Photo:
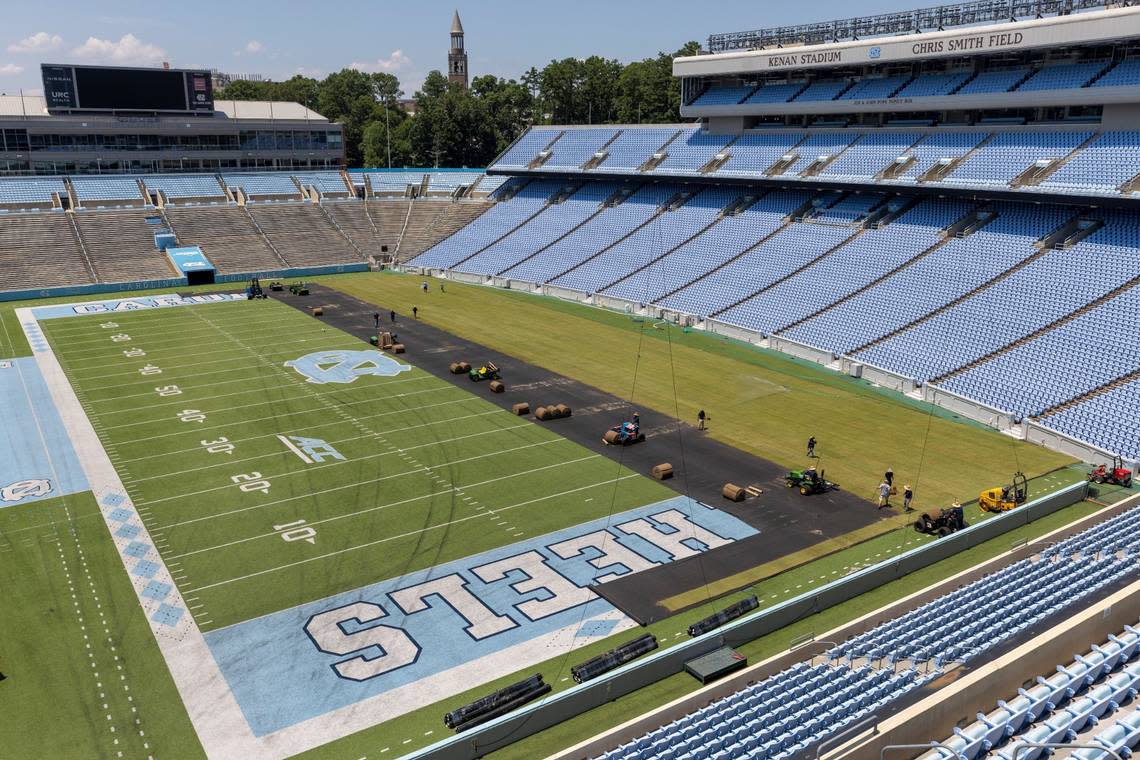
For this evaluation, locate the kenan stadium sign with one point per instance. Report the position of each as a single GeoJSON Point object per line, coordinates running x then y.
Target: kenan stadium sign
{"type": "Point", "coordinates": [1086, 28]}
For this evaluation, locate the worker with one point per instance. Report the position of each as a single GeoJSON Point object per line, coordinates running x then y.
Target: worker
{"type": "Point", "coordinates": [889, 476]}
{"type": "Point", "coordinates": [425, 286]}
{"type": "Point", "coordinates": [441, 286]}
{"type": "Point", "coordinates": [701, 420]}
{"type": "Point", "coordinates": [376, 317]}
{"type": "Point", "coordinates": [392, 315]}
{"type": "Point", "coordinates": [884, 495]}
{"type": "Point", "coordinates": [415, 312]}
{"type": "Point", "coordinates": [636, 419]}
{"type": "Point", "coordinates": [811, 447]}
{"type": "Point", "coordinates": [908, 494]}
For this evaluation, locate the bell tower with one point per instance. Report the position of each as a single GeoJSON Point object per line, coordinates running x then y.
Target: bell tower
{"type": "Point", "coordinates": [457, 55]}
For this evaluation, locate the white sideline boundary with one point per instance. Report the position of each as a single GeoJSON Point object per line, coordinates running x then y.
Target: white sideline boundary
{"type": "Point", "coordinates": [212, 708]}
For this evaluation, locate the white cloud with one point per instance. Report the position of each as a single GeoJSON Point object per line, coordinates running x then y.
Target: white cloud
{"type": "Point", "coordinates": [10, 68]}
{"type": "Point", "coordinates": [254, 47]}
{"type": "Point", "coordinates": [397, 61]}
{"type": "Point", "coordinates": [37, 43]}
{"type": "Point", "coordinates": [128, 50]}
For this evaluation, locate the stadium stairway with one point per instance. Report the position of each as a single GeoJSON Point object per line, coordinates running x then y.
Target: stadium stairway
{"type": "Point", "coordinates": [303, 235]}
{"type": "Point", "coordinates": [226, 236]}
{"type": "Point", "coordinates": [356, 223]}
{"type": "Point", "coordinates": [121, 244]}
{"type": "Point", "coordinates": [428, 223]}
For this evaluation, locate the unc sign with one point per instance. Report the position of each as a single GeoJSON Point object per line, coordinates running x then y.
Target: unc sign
{"type": "Point", "coordinates": [345, 366]}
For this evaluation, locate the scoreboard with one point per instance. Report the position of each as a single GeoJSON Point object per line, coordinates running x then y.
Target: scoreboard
{"type": "Point", "coordinates": [78, 89]}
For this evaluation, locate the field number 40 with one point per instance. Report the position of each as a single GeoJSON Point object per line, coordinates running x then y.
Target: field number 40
{"type": "Point", "coordinates": [251, 481]}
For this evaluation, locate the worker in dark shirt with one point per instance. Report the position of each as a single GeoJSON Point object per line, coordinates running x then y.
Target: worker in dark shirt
{"type": "Point", "coordinates": [811, 446]}
{"type": "Point", "coordinates": [701, 420]}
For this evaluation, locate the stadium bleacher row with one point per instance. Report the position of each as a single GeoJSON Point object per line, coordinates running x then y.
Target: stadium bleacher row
{"type": "Point", "coordinates": [1051, 76]}
{"type": "Point", "coordinates": [794, 710]}
{"type": "Point", "coordinates": [1054, 161]}
{"type": "Point", "coordinates": [31, 193]}
{"type": "Point", "coordinates": [936, 289]}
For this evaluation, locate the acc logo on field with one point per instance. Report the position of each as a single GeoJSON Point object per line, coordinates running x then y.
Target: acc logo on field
{"type": "Point", "coordinates": [345, 366]}
{"type": "Point", "coordinates": [25, 489]}
{"type": "Point", "coordinates": [874, 52]}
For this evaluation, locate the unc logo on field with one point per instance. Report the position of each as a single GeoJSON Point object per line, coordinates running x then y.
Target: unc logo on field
{"type": "Point", "coordinates": [345, 366]}
{"type": "Point", "coordinates": [25, 489]}
{"type": "Point", "coordinates": [874, 52]}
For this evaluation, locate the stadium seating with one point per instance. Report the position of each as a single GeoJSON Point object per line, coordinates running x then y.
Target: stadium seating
{"type": "Point", "coordinates": [936, 147]}
{"type": "Point", "coordinates": [874, 88]}
{"type": "Point", "coordinates": [595, 235]}
{"type": "Point", "coordinates": [519, 155]}
{"type": "Point", "coordinates": [1107, 420]}
{"type": "Point", "coordinates": [178, 187]}
{"type": "Point", "coordinates": [660, 235]}
{"type": "Point", "coordinates": [357, 222]}
{"type": "Point", "coordinates": [692, 150]}
{"type": "Point", "coordinates": [1003, 312]}
{"type": "Point", "coordinates": [25, 241]}
{"type": "Point", "coordinates": [1124, 74]}
{"type": "Point", "coordinates": [722, 96]}
{"type": "Point", "coordinates": [1104, 165]}
{"type": "Point", "coordinates": [932, 85]}
{"type": "Point", "coordinates": [429, 223]}
{"type": "Point", "coordinates": [226, 235]}
{"type": "Point", "coordinates": [489, 227]}
{"type": "Point", "coordinates": [946, 273]}
{"type": "Point", "coordinates": [817, 145]}
{"type": "Point", "coordinates": [264, 185]}
{"type": "Point", "coordinates": [541, 231]}
{"type": "Point", "coordinates": [775, 93]}
{"type": "Point", "coordinates": [576, 147]}
{"type": "Point", "coordinates": [861, 261]}
{"type": "Point", "coordinates": [121, 245]}
{"type": "Point", "coordinates": [755, 152]}
{"type": "Point", "coordinates": [792, 711]}
{"type": "Point", "coordinates": [870, 154]}
{"type": "Point", "coordinates": [393, 182]}
{"type": "Point", "coordinates": [821, 91]}
{"type": "Point", "coordinates": [996, 80]}
{"type": "Point", "coordinates": [1094, 348]}
{"type": "Point", "coordinates": [1008, 154]}
{"type": "Point", "coordinates": [303, 235]}
{"type": "Point", "coordinates": [489, 184]}
{"type": "Point", "coordinates": [633, 147]}
{"type": "Point", "coordinates": [446, 182]}
{"type": "Point", "coordinates": [29, 191]}
{"type": "Point", "coordinates": [759, 268]}
{"type": "Point", "coordinates": [1070, 700]}
{"type": "Point", "coordinates": [1062, 76]}
{"type": "Point", "coordinates": [726, 240]}
{"type": "Point", "coordinates": [98, 191]}
{"type": "Point", "coordinates": [327, 183]}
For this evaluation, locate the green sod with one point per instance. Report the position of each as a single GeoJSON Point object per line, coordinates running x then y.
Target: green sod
{"type": "Point", "coordinates": [430, 472]}
{"type": "Point", "coordinates": [760, 401]}
{"type": "Point", "coordinates": [84, 677]}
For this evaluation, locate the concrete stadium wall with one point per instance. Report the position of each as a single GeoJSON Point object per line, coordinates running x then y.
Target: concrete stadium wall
{"type": "Point", "coordinates": [663, 663]}
{"type": "Point", "coordinates": [178, 282]}
{"type": "Point", "coordinates": [801, 350]}
{"type": "Point", "coordinates": [717, 327]}
{"type": "Point", "coordinates": [877, 375]}
{"type": "Point", "coordinates": [975, 410]}
{"type": "Point", "coordinates": [566, 294]}
{"type": "Point", "coordinates": [1086, 452]}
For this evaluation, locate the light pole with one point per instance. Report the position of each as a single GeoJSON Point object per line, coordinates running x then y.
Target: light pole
{"type": "Point", "coordinates": [388, 133]}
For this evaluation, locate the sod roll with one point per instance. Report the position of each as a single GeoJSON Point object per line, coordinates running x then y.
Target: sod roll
{"type": "Point", "coordinates": [732, 492]}
{"type": "Point", "coordinates": [662, 471]}
{"type": "Point", "coordinates": [497, 386]}
{"type": "Point", "coordinates": [522, 409]}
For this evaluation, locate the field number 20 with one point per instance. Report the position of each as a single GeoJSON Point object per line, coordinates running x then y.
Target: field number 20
{"type": "Point", "coordinates": [168, 390]}
{"type": "Point", "coordinates": [251, 481]}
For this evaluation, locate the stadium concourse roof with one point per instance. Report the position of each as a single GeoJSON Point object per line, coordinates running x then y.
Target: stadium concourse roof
{"type": "Point", "coordinates": [254, 110]}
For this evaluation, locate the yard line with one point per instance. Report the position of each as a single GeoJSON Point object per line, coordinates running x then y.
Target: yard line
{"type": "Point", "coordinates": [231, 462]}
{"type": "Point", "coordinates": [412, 533]}
{"type": "Point", "coordinates": [359, 512]}
{"type": "Point", "coordinates": [185, 330]}
{"type": "Point", "coordinates": [322, 409]}
{"type": "Point", "coordinates": [357, 485]}
{"type": "Point", "coordinates": [151, 350]}
{"type": "Point", "coordinates": [192, 365]}
{"type": "Point", "coordinates": [227, 409]}
{"type": "Point", "coordinates": [187, 398]}
{"type": "Point", "coordinates": [411, 411]}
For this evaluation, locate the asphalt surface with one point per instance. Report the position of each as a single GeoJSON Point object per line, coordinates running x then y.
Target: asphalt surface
{"type": "Point", "coordinates": [787, 522]}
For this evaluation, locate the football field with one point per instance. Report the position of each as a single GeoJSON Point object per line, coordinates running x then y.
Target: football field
{"type": "Point", "coordinates": [264, 487]}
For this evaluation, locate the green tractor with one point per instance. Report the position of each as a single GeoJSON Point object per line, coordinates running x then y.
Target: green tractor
{"type": "Point", "coordinates": [809, 481]}
{"type": "Point", "coordinates": [488, 371]}
{"type": "Point", "coordinates": [299, 289]}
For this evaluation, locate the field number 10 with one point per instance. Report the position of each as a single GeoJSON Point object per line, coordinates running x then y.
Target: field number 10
{"type": "Point", "coordinates": [251, 481]}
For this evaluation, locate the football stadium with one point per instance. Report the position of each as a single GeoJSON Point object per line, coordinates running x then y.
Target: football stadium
{"type": "Point", "coordinates": [801, 425]}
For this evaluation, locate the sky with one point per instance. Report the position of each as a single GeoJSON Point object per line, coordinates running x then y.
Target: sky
{"type": "Point", "coordinates": [407, 38]}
